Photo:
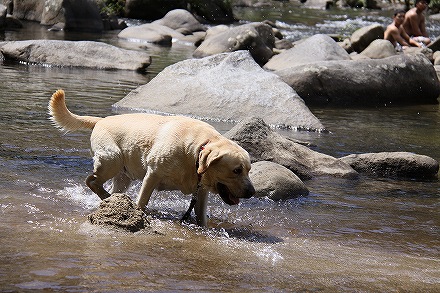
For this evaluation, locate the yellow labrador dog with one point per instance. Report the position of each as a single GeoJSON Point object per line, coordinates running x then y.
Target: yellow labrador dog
{"type": "Point", "coordinates": [165, 152]}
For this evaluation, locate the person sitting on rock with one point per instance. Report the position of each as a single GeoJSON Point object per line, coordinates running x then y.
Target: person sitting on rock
{"type": "Point", "coordinates": [397, 35]}
{"type": "Point", "coordinates": [414, 23]}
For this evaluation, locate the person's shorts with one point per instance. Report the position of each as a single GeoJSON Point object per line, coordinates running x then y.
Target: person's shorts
{"type": "Point", "coordinates": [421, 40]}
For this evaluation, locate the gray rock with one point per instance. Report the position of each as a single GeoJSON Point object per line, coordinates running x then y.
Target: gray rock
{"type": "Point", "coordinates": [53, 12]}
{"type": "Point", "coordinates": [257, 38]}
{"type": "Point", "coordinates": [379, 49]}
{"type": "Point", "coordinates": [363, 37]}
{"type": "Point", "coordinates": [119, 211]}
{"type": "Point", "coordinates": [29, 9]}
{"type": "Point", "coordinates": [398, 79]}
{"type": "Point", "coordinates": [264, 144]}
{"type": "Point", "coordinates": [181, 19]}
{"type": "Point", "coordinates": [151, 33]}
{"type": "Point", "coordinates": [435, 44]}
{"type": "Point", "coordinates": [3, 10]}
{"type": "Point", "coordinates": [394, 164]}
{"type": "Point", "coordinates": [225, 87]}
{"type": "Point", "coordinates": [314, 49]}
{"type": "Point", "coordinates": [276, 181]}
{"type": "Point", "coordinates": [85, 54]}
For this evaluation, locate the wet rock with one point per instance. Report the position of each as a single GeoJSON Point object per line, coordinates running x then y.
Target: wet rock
{"type": "Point", "coordinates": [3, 13]}
{"type": "Point", "coordinates": [119, 211]}
{"type": "Point", "coordinates": [363, 37]}
{"type": "Point", "coordinates": [29, 9]}
{"type": "Point", "coordinates": [257, 38]}
{"type": "Point", "coordinates": [213, 11]}
{"type": "Point", "coordinates": [379, 49]}
{"type": "Point", "coordinates": [85, 54]}
{"type": "Point", "coordinates": [82, 15]}
{"type": "Point", "coordinates": [314, 49]}
{"type": "Point", "coordinates": [394, 164]}
{"type": "Point", "coordinates": [225, 87]}
{"type": "Point", "coordinates": [179, 19]}
{"type": "Point", "coordinates": [150, 32]}
{"type": "Point", "coordinates": [368, 82]}
{"type": "Point", "coordinates": [276, 181]}
{"type": "Point", "coordinates": [264, 144]}
{"type": "Point", "coordinates": [53, 13]}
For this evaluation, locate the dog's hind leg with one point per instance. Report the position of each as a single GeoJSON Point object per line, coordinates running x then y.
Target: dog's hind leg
{"type": "Point", "coordinates": [105, 167]}
{"type": "Point", "coordinates": [95, 185]}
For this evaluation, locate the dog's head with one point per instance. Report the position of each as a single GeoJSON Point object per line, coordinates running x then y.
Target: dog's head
{"type": "Point", "coordinates": [225, 167]}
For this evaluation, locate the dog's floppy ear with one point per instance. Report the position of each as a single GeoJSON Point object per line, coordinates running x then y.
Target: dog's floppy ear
{"type": "Point", "coordinates": [206, 157]}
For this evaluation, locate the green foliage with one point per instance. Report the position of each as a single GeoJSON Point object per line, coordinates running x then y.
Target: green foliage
{"type": "Point", "coordinates": [112, 7]}
{"type": "Point", "coordinates": [434, 5]}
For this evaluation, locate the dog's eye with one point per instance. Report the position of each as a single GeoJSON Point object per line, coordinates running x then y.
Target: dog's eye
{"type": "Point", "coordinates": [237, 171]}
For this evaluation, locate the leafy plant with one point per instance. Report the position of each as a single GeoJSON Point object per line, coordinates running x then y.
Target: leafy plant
{"type": "Point", "coordinates": [112, 7]}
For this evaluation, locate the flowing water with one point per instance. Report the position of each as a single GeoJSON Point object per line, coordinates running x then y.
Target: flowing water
{"type": "Point", "coordinates": [364, 235]}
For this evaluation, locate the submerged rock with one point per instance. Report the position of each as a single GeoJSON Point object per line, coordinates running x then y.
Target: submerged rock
{"type": "Point", "coordinates": [394, 164]}
{"type": "Point", "coordinates": [225, 87]}
{"type": "Point", "coordinates": [119, 211]}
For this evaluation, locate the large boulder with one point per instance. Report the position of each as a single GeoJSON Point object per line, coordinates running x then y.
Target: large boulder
{"type": "Point", "coordinates": [394, 164]}
{"type": "Point", "coordinates": [213, 11]}
{"type": "Point", "coordinates": [379, 49]}
{"type": "Point", "coordinates": [257, 38]}
{"type": "Point", "coordinates": [225, 87]}
{"type": "Point", "coordinates": [28, 9]}
{"type": "Point", "coordinates": [85, 54]}
{"type": "Point", "coordinates": [363, 37]}
{"type": "Point", "coordinates": [313, 49]}
{"type": "Point", "coordinates": [78, 15]}
{"type": "Point", "coordinates": [397, 79]}
{"type": "Point", "coordinates": [119, 211]}
{"type": "Point", "coordinates": [275, 181]}
{"type": "Point", "coordinates": [82, 15]}
{"type": "Point", "coordinates": [3, 12]}
{"type": "Point", "coordinates": [150, 32]}
{"type": "Point", "coordinates": [177, 24]}
{"type": "Point", "coordinates": [53, 12]}
{"type": "Point", "coordinates": [181, 20]}
{"type": "Point", "coordinates": [264, 144]}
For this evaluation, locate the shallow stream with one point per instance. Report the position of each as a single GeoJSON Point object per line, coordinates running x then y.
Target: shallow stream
{"type": "Point", "coordinates": [365, 235]}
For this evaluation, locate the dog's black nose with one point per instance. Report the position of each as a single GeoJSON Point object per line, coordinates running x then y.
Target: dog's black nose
{"type": "Point", "coordinates": [250, 191]}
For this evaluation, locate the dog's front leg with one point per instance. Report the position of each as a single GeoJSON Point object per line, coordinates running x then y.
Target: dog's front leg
{"type": "Point", "coordinates": [200, 208]}
{"type": "Point", "coordinates": [147, 188]}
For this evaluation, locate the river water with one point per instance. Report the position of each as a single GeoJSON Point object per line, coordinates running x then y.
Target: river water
{"type": "Point", "coordinates": [364, 235]}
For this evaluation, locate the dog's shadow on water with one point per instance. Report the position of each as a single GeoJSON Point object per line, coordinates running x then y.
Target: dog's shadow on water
{"type": "Point", "coordinates": [220, 227]}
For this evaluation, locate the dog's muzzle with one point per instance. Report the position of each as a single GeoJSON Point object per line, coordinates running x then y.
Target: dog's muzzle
{"type": "Point", "coordinates": [229, 198]}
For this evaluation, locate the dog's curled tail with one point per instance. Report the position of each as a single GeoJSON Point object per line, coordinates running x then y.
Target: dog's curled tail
{"type": "Point", "coordinates": [66, 120]}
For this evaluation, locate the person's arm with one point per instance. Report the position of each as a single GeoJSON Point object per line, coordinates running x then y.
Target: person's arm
{"type": "Point", "coordinates": [396, 35]}
{"type": "Point", "coordinates": [403, 35]}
